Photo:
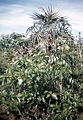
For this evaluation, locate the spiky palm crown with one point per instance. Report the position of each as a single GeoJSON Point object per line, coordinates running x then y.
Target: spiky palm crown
{"type": "Point", "coordinates": [49, 21]}
{"type": "Point", "coordinates": [48, 16]}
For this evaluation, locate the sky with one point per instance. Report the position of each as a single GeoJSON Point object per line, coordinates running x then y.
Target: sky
{"type": "Point", "coordinates": [16, 15]}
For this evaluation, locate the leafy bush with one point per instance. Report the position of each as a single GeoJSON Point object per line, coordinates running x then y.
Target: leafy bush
{"type": "Point", "coordinates": [31, 85]}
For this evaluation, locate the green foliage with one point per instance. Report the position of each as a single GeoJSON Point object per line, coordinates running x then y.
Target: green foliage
{"type": "Point", "coordinates": [31, 80]}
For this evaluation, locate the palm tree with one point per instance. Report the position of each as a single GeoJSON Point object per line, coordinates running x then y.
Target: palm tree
{"type": "Point", "coordinates": [48, 27]}
{"type": "Point", "coordinates": [55, 31]}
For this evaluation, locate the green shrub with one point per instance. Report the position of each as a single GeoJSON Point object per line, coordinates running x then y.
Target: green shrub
{"type": "Point", "coordinates": [32, 82]}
